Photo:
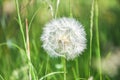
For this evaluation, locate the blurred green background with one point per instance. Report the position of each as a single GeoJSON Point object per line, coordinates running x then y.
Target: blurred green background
{"type": "Point", "coordinates": [109, 29]}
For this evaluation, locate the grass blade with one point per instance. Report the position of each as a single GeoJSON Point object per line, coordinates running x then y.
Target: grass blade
{"type": "Point", "coordinates": [91, 35]}
{"type": "Point", "coordinates": [97, 39]}
{"type": "Point", "coordinates": [50, 74]}
{"type": "Point", "coordinates": [1, 78]}
{"type": "Point", "coordinates": [20, 22]}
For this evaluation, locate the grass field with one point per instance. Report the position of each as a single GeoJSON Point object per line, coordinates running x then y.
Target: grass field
{"type": "Point", "coordinates": [22, 56]}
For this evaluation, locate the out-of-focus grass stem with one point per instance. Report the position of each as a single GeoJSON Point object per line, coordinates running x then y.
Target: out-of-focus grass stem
{"type": "Point", "coordinates": [57, 5]}
{"type": "Point", "coordinates": [1, 78]}
{"type": "Point", "coordinates": [91, 35]}
{"type": "Point", "coordinates": [47, 66]}
{"type": "Point", "coordinates": [20, 22]}
{"type": "Point", "coordinates": [28, 48]}
{"type": "Point", "coordinates": [27, 40]}
{"type": "Point", "coordinates": [97, 38]}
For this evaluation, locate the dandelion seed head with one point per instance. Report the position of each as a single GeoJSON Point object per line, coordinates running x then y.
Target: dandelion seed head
{"type": "Point", "coordinates": [64, 37]}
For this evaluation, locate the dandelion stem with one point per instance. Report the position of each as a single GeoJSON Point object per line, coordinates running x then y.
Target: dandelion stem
{"type": "Point", "coordinates": [91, 34]}
{"type": "Point", "coordinates": [64, 69]}
{"type": "Point", "coordinates": [77, 68]}
{"type": "Point", "coordinates": [97, 38]}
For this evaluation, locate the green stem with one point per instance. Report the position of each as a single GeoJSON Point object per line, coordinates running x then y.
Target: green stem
{"type": "Point", "coordinates": [47, 66]}
{"type": "Point", "coordinates": [50, 74]}
{"type": "Point", "coordinates": [33, 18]}
{"type": "Point", "coordinates": [57, 5]}
{"type": "Point", "coordinates": [28, 49]}
{"type": "Point", "coordinates": [64, 69]}
{"type": "Point", "coordinates": [91, 34]}
{"type": "Point", "coordinates": [77, 68]}
{"type": "Point", "coordinates": [20, 22]}
{"type": "Point", "coordinates": [97, 39]}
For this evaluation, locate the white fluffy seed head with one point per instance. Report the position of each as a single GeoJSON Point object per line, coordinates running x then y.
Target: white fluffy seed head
{"type": "Point", "coordinates": [64, 37]}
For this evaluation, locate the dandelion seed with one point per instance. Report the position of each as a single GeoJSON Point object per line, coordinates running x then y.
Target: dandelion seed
{"type": "Point", "coordinates": [64, 37]}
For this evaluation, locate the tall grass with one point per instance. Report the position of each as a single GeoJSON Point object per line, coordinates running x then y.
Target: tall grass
{"type": "Point", "coordinates": [97, 38]}
{"type": "Point", "coordinates": [91, 34]}
{"type": "Point", "coordinates": [76, 73]}
{"type": "Point", "coordinates": [94, 15]}
{"type": "Point", "coordinates": [20, 23]}
{"type": "Point", "coordinates": [26, 43]}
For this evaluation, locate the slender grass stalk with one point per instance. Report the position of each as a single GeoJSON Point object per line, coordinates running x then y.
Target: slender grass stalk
{"type": "Point", "coordinates": [32, 75]}
{"type": "Point", "coordinates": [27, 40]}
{"type": "Point", "coordinates": [57, 5]}
{"type": "Point", "coordinates": [28, 49]}
{"type": "Point", "coordinates": [20, 22]}
{"type": "Point", "coordinates": [50, 74]}
{"type": "Point", "coordinates": [47, 65]}
{"type": "Point", "coordinates": [40, 68]}
{"type": "Point", "coordinates": [97, 38]}
{"type": "Point", "coordinates": [1, 78]}
{"type": "Point", "coordinates": [22, 51]}
{"type": "Point", "coordinates": [74, 73]}
{"type": "Point", "coordinates": [33, 18]}
{"type": "Point", "coordinates": [12, 44]}
{"type": "Point", "coordinates": [32, 72]}
{"type": "Point", "coordinates": [26, 44]}
{"type": "Point", "coordinates": [91, 35]}
{"type": "Point", "coordinates": [34, 46]}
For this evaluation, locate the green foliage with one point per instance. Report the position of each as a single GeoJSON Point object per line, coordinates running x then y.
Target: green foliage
{"type": "Point", "coordinates": [103, 38]}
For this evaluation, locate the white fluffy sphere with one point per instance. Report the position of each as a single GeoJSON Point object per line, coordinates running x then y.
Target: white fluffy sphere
{"type": "Point", "coordinates": [64, 37]}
